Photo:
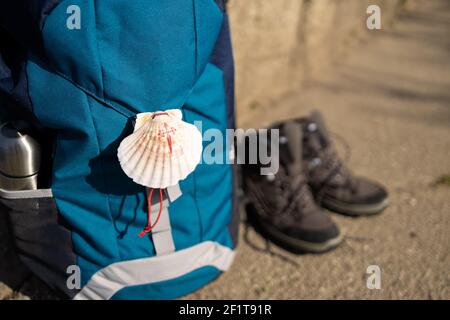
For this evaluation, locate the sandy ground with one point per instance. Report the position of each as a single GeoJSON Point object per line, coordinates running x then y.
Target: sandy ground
{"type": "Point", "coordinates": [390, 100]}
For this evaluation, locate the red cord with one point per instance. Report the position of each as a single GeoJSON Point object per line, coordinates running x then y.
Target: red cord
{"type": "Point", "coordinates": [159, 114]}
{"type": "Point", "coordinates": [149, 225]}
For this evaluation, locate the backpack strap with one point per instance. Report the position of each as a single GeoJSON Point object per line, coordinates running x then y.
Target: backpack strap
{"type": "Point", "coordinates": [162, 232]}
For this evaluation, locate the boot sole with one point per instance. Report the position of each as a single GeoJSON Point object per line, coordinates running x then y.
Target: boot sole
{"type": "Point", "coordinates": [290, 243]}
{"type": "Point", "coordinates": [355, 209]}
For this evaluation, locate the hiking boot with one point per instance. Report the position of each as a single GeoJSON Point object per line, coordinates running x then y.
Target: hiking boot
{"type": "Point", "coordinates": [332, 183]}
{"type": "Point", "coordinates": [281, 206]}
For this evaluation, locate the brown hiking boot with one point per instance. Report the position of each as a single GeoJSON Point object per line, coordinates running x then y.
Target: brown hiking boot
{"type": "Point", "coordinates": [281, 205]}
{"type": "Point", "coordinates": [332, 183]}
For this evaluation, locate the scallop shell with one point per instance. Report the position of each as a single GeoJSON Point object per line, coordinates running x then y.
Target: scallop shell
{"type": "Point", "coordinates": [162, 150]}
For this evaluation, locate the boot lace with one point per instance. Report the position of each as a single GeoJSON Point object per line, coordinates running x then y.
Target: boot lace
{"type": "Point", "coordinates": [293, 195]}
{"type": "Point", "coordinates": [327, 159]}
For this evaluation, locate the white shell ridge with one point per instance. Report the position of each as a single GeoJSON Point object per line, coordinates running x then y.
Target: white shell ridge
{"type": "Point", "coordinates": [162, 150]}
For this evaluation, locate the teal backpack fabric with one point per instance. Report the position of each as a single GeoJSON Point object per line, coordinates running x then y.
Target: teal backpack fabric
{"type": "Point", "coordinates": [86, 85]}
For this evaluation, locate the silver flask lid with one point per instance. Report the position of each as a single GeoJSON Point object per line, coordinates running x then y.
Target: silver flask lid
{"type": "Point", "coordinates": [20, 154]}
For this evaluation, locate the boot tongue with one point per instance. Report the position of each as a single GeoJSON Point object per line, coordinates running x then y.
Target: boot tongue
{"type": "Point", "coordinates": [317, 124]}
{"type": "Point", "coordinates": [291, 149]}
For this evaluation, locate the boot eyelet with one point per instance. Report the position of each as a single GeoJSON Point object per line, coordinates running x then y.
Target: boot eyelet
{"type": "Point", "coordinates": [312, 127]}
{"type": "Point", "coordinates": [283, 140]}
{"type": "Point", "coordinates": [315, 162]}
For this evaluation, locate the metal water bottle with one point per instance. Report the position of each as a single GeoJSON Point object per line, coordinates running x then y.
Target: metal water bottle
{"type": "Point", "coordinates": [20, 159]}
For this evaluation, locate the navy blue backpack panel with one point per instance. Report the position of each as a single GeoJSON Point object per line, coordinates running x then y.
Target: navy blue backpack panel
{"type": "Point", "coordinates": [86, 85]}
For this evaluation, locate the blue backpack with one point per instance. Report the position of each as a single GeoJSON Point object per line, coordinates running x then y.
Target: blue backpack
{"type": "Point", "coordinates": [83, 82]}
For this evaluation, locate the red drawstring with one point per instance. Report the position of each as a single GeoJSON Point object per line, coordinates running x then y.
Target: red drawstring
{"type": "Point", "coordinates": [149, 225]}
{"type": "Point", "coordinates": [159, 114]}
